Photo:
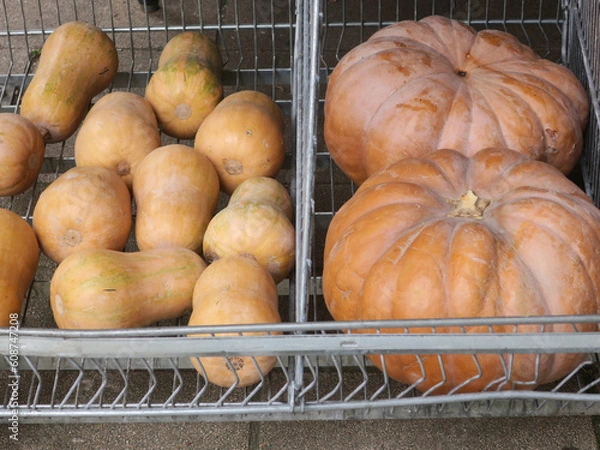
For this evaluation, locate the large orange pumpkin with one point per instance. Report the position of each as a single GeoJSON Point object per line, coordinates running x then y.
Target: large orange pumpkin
{"type": "Point", "coordinates": [437, 83]}
{"type": "Point", "coordinates": [449, 236]}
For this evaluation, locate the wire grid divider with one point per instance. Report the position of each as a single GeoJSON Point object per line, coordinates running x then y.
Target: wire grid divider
{"type": "Point", "coordinates": [321, 371]}
{"type": "Point", "coordinates": [583, 58]}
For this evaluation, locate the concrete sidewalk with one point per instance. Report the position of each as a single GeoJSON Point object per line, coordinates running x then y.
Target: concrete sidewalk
{"type": "Point", "coordinates": [554, 433]}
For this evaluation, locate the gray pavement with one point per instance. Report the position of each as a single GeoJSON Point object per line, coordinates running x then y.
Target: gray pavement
{"type": "Point", "coordinates": [553, 433]}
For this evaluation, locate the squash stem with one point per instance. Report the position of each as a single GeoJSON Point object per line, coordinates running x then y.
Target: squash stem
{"type": "Point", "coordinates": [469, 206]}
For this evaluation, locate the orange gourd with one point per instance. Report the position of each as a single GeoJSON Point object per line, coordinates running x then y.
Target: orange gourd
{"type": "Point", "coordinates": [117, 133]}
{"type": "Point", "coordinates": [108, 289]}
{"type": "Point", "coordinates": [21, 154]}
{"type": "Point", "coordinates": [85, 207]}
{"type": "Point", "coordinates": [186, 86]}
{"type": "Point", "coordinates": [418, 86]}
{"type": "Point", "coordinates": [243, 137]}
{"type": "Point", "coordinates": [19, 253]}
{"type": "Point", "coordinates": [253, 227]}
{"type": "Point", "coordinates": [231, 291]}
{"type": "Point", "coordinates": [176, 190]}
{"type": "Point", "coordinates": [78, 61]}
{"type": "Point", "coordinates": [264, 189]}
{"type": "Point", "coordinates": [449, 236]}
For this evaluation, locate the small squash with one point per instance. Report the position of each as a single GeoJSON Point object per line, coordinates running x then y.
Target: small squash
{"type": "Point", "coordinates": [234, 290]}
{"type": "Point", "coordinates": [85, 207]}
{"type": "Point", "coordinates": [105, 289]}
{"type": "Point", "coordinates": [186, 86]}
{"type": "Point", "coordinates": [176, 191]}
{"type": "Point", "coordinates": [117, 133]}
{"type": "Point", "coordinates": [78, 61]}
{"type": "Point", "coordinates": [256, 229]}
{"type": "Point", "coordinates": [243, 137]}
{"type": "Point", "coordinates": [21, 154]}
{"type": "Point", "coordinates": [264, 189]}
{"type": "Point", "coordinates": [19, 254]}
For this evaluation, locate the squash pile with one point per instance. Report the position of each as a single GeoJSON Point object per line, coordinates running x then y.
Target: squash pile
{"type": "Point", "coordinates": [461, 142]}
{"type": "Point", "coordinates": [127, 186]}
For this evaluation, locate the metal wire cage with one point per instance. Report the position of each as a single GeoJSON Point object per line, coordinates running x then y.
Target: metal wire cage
{"type": "Point", "coordinates": [285, 49]}
{"type": "Point", "coordinates": [344, 382]}
{"type": "Point", "coordinates": [257, 42]}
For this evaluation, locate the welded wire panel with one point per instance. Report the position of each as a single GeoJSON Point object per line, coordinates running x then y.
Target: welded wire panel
{"type": "Point", "coordinates": [346, 372]}
{"type": "Point", "coordinates": [351, 386]}
{"type": "Point", "coordinates": [584, 59]}
{"type": "Point", "coordinates": [255, 38]}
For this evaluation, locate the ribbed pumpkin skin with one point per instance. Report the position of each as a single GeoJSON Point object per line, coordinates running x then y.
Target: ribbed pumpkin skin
{"type": "Point", "coordinates": [401, 248]}
{"type": "Point", "coordinates": [449, 87]}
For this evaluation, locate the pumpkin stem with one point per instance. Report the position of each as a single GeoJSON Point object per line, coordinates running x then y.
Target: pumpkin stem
{"type": "Point", "coordinates": [469, 205]}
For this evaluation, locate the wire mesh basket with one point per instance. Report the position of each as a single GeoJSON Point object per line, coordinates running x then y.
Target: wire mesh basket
{"type": "Point", "coordinates": [565, 32]}
{"type": "Point", "coordinates": [287, 50]}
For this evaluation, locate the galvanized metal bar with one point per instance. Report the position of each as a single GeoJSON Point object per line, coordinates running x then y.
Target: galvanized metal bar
{"type": "Point", "coordinates": [309, 344]}
{"type": "Point", "coordinates": [315, 327]}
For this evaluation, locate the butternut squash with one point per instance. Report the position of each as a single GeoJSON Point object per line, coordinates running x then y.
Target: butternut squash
{"type": "Point", "coordinates": [78, 61]}
{"type": "Point", "coordinates": [117, 133]}
{"type": "Point", "coordinates": [264, 189]}
{"type": "Point", "coordinates": [19, 254]}
{"type": "Point", "coordinates": [85, 207]}
{"type": "Point", "coordinates": [243, 137]}
{"type": "Point", "coordinates": [21, 154]}
{"type": "Point", "coordinates": [254, 229]}
{"type": "Point", "coordinates": [234, 290]}
{"type": "Point", "coordinates": [186, 86]}
{"type": "Point", "coordinates": [176, 191]}
{"type": "Point", "coordinates": [105, 289]}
